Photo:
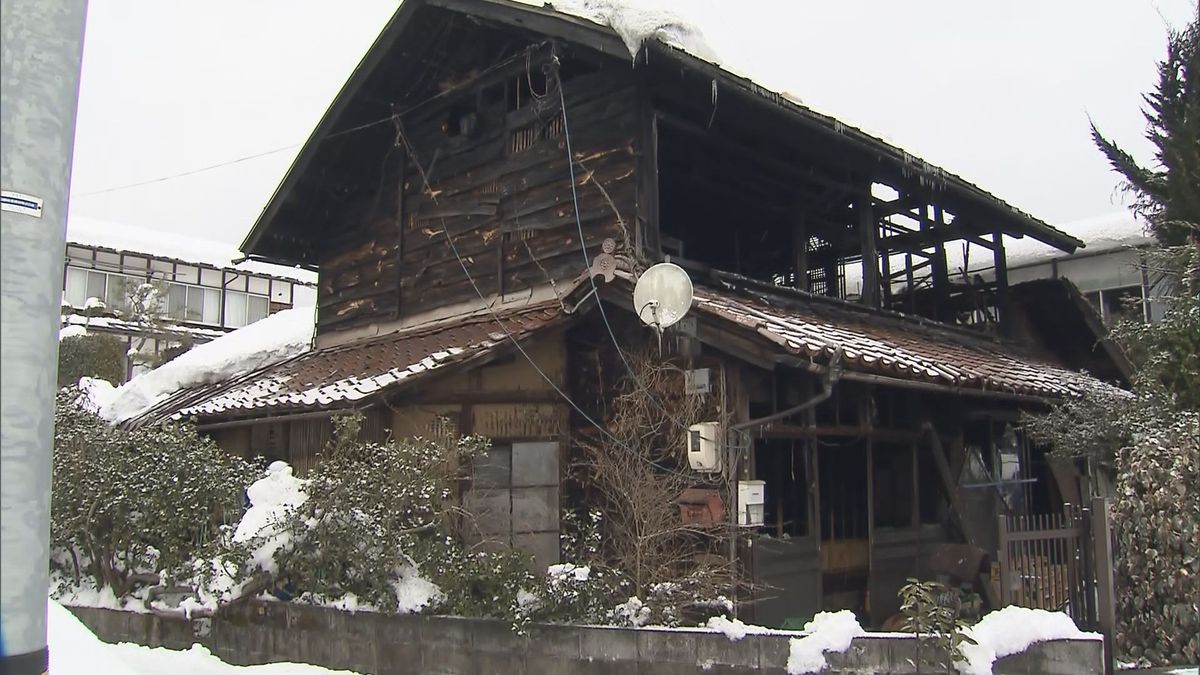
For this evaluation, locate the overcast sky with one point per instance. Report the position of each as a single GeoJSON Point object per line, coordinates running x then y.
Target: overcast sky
{"type": "Point", "coordinates": [998, 92]}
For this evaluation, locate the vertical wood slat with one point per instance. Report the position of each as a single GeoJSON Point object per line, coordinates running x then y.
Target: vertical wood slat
{"type": "Point", "coordinates": [1044, 563]}
{"type": "Point", "coordinates": [1105, 597]}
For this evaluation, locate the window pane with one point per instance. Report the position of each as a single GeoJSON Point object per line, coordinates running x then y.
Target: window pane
{"type": "Point", "coordinates": [95, 285]}
{"type": "Point", "coordinates": [235, 309]}
{"type": "Point", "coordinates": [76, 291]}
{"type": "Point", "coordinates": [259, 285]}
{"type": "Point", "coordinates": [176, 301]}
{"type": "Point", "coordinates": [257, 309]}
{"type": "Point", "coordinates": [210, 277]}
{"type": "Point", "coordinates": [117, 292]}
{"type": "Point", "coordinates": [195, 303]}
{"type": "Point", "coordinates": [187, 274]}
{"type": "Point", "coordinates": [1123, 303]}
{"type": "Point", "coordinates": [212, 306]}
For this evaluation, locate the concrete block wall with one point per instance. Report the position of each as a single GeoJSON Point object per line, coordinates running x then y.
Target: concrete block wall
{"type": "Point", "coordinates": [386, 645]}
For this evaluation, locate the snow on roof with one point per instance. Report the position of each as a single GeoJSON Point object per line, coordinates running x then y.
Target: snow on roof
{"type": "Point", "coordinates": [636, 23]}
{"type": "Point", "coordinates": [1104, 233]}
{"type": "Point", "coordinates": [263, 343]}
{"type": "Point", "coordinates": [152, 242]}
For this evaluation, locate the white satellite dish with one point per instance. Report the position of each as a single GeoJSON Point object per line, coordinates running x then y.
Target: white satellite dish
{"type": "Point", "coordinates": [663, 295]}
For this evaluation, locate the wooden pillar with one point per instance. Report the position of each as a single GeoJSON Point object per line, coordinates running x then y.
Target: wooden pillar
{"type": "Point", "coordinates": [941, 274]}
{"type": "Point", "coordinates": [800, 252]}
{"type": "Point", "coordinates": [1001, 266]}
{"type": "Point", "coordinates": [868, 234]}
{"type": "Point", "coordinates": [646, 228]}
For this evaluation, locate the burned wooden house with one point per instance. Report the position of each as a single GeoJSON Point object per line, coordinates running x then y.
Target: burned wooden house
{"type": "Point", "coordinates": [478, 202]}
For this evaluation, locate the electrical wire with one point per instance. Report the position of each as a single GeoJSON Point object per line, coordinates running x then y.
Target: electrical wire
{"type": "Point", "coordinates": [231, 162]}
{"type": "Point", "coordinates": [526, 53]}
{"type": "Point", "coordinates": [401, 136]}
{"type": "Point", "coordinates": [588, 263]}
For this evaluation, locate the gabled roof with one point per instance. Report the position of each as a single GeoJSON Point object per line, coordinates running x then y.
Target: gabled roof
{"type": "Point", "coordinates": [955, 192]}
{"type": "Point", "coordinates": [354, 374]}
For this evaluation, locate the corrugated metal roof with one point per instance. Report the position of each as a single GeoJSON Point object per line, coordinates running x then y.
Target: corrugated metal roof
{"type": "Point", "coordinates": [890, 344]}
{"type": "Point", "coordinates": [341, 376]}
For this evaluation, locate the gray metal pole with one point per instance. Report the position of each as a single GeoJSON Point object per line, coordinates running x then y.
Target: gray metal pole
{"type": "Point", "coordinates": [41, 47]}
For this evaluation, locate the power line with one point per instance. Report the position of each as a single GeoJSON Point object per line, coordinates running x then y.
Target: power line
{"type": "Point", "coordinates": [523, 54]}
{"type": "Point", "coordinates": [239, 160]}
{"type": "Point", "coordinates": [588, 263]}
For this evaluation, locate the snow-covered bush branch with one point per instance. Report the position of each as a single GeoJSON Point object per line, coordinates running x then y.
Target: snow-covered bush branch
{"type": "Point", "coordinates": [135, 507]}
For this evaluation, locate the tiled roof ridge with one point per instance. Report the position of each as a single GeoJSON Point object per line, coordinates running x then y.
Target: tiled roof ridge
{"type": "Point", "coordinates": [737, 284]}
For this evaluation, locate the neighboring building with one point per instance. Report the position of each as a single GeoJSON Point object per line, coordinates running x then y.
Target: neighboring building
{"type": "Point", "coordinates": [203, 295]}
{"type": "Point", "coordinates": [1110, 271]}
{"type": "Point", "coordinates": [469, 282]}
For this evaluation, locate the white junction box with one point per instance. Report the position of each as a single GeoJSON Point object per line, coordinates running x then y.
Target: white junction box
{"type": "Point", "coordinates": [752, 495]}
{"type": "Point", "coordinates": [704, 446]}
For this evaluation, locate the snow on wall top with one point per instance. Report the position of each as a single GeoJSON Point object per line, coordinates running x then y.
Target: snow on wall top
{"type": "Point", "coordinates": [123, 237]}
{"type": "Point", "coordinates": [1112, 231]}
{"type": "Point", "coordinates": [271, 340]}
{"type": "Point", "coordinates": [638, 22]}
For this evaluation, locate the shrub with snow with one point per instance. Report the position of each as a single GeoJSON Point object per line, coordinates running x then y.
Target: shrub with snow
{"type": "Point", "coordinates": [90, 355]}
{"type": "Point", "coordinates": [134, 508]}
{"type": "Point", "coordinates": [374, 527]}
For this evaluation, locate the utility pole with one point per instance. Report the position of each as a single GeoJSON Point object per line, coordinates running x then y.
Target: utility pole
{"type": "Point", "coordinates": [41, 47]}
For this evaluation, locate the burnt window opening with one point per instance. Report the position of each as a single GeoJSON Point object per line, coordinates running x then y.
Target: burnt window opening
{"type": "Point", "coordinates": [784, 465]}
{"type": "Point", "coordinates": [728, 205]}
{"type": "Point", "coordinates": [461, 122]}
{"type": "Point", "coordinates": [895, 495]}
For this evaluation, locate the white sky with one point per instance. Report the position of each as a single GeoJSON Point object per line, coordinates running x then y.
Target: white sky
{"type": "Point", "coordinates": [998, 92]}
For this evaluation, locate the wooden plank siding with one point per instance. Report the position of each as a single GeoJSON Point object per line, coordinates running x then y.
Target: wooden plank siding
{"type": "Point", "coordinates": [500, 188]}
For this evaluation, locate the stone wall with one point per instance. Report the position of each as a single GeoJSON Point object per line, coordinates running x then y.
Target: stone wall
{"type": "Point", "coordinates": [386, 645]}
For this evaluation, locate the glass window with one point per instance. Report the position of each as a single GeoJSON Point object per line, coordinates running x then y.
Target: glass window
{"type": "Point", "coordinates": [117, 292]}
{"type": "Point", "coordinates": [195, 304]}
{"type": "Point", "coordinates": [162, 269]}
{"type": "Point", "coordinates": [212, 305]}
{"type": "Point", "coordinates": [210, 277]}
{"type": "Point", "coordinates": [187, 274]}
{"type": "Point", "coordinates": [96, 283]}
{"type": "Point", "coordinates": [257, 309]}
{"type": "Point", "coordinates": [177, 301]}
{"type": "Point", "coordinates": [235, 309]}
{"type": "Point", "coordinates": [1119, 304]}
{"type": "Point", "coordinates": [76, 290]}
{"type": "Point", "coordinates": [259, 285]}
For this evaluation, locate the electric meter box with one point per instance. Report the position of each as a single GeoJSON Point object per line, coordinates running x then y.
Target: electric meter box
{"type": "Point", "coordinates": [752, 496]}
{"type": "Point", "coordinates": [704, 446]}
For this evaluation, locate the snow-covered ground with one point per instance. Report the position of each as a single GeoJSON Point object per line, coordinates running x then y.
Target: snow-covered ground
{"type": "Point", "coordinates": [75, 650]}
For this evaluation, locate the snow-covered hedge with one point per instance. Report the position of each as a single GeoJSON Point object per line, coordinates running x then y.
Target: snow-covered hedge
{"type": "Point", "coordinates": [134, 508]}
{"type": "Point", "coordinates": [1157, 521]}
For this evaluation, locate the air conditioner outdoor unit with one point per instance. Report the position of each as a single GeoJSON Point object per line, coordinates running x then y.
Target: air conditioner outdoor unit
{"type": "Point", "coordinates": [752, 495]}
{"type": "Point", "coordinates": [704, 446]}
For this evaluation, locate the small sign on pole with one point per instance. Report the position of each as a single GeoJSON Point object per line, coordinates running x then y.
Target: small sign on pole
{"type": "Point", "coordinates": [19, 202]}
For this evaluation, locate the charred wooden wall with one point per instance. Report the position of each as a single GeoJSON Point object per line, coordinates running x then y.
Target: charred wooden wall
{"type": "Point", "coordinates": [494, 153]}
{"type": "Point", "coordinates": [504, 194]}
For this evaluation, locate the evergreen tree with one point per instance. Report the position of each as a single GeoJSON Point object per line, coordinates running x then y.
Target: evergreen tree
{"type": "Point", "coordinates": [1168, 194]}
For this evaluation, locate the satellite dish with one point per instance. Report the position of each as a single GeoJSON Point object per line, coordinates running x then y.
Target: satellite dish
{"type": "Point", "coordinates": [663, 295]}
